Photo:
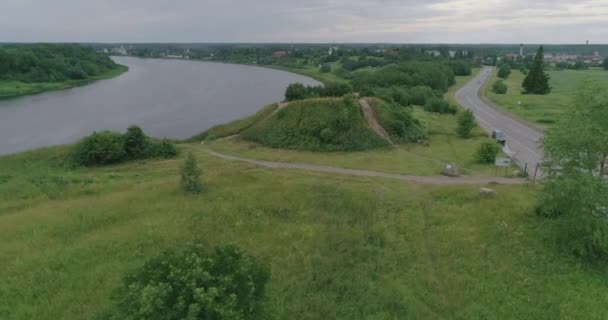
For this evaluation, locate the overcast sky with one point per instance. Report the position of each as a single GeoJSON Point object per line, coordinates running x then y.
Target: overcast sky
{"type": "Point", "coordinates": [398, 21]}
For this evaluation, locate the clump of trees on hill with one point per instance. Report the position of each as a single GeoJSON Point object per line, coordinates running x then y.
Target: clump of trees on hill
{"type": "Point", "coordinates": [225, 283]}
{"type": "Point", "coordinates": [106, 147]}
{"type": "Point", "coordinates": [504, 71]}
{"type": "Point", "coordinates": [297, 91]}
{"type": "Point", "coordinates": [52, 63]}
{"type": "Point", "coordinates": [537, 80]}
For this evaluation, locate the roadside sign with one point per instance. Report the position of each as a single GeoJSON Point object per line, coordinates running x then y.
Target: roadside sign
{"type": "Point", "coordinates": [503, 162]}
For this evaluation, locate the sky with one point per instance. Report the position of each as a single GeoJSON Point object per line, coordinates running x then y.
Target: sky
{"type": "Point", "coordinates": [288, 21]}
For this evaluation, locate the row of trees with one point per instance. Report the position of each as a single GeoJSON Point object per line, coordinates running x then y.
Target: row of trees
{"type": "Point", "coordinates": [52, 63]}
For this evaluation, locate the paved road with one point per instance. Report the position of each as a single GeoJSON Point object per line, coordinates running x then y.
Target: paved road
{"type": "Point", "coordinates": [438, 180]}
{"type": "Point", "coordinates": [523, 142]}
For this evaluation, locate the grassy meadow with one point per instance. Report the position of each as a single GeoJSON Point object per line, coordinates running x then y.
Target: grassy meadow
{"type": "Point", "coordinates": [12, 89]}
{"type": "Point", "coordinates": [339, 247]}
{"type": "Point", "coordinates": [545, 109]}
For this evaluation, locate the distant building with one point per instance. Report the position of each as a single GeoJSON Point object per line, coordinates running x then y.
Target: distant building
{"type": "Point", "coordinates": [521, 50]}
{"type": "Point", "coordinates": [279, 54]}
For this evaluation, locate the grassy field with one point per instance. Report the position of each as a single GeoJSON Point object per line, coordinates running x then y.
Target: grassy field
{"type": "Point", "coordinates": [545, 109]}
{"type": "Point", "coordinates": [12, 89]}
{"type": "Point", "coordinates": [339, 247]}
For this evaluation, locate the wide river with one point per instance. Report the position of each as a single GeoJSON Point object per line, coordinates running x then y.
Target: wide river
{"type": "Point", "coordinates": [167, 98]}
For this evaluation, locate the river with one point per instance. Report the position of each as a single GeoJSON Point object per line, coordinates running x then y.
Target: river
{"type": "Point", "coordinates": [167, 98]}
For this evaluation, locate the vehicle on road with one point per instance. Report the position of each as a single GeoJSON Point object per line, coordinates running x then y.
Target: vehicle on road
{"type": "Point", "coordinates": [499, 136]}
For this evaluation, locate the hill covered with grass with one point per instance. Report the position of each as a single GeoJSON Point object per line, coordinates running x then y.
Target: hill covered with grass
{"type": "Point", "coordinates": [330, 124]}
{"type": "Point", "coordinates": [26, 69]}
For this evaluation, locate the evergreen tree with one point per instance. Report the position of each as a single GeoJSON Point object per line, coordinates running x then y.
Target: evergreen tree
{"type": "Point", "coordinates": [537, 81]}
{"type": "Point", "coordinates": [191, 176]}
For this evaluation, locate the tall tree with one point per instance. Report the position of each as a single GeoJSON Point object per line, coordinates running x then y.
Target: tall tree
{"type": "Point", "coordinates": [575, 186]}
{"type": "Point", "coordinates": [537, 81]}
{"type": "Point", "coordinates": [605, 64]}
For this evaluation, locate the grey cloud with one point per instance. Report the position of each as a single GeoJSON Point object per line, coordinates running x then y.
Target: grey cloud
{"type": "Point", "coordinates": [303, 20]}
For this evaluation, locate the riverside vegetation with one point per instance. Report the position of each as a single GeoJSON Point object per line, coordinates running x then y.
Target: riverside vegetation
{"type": "Point", "coordinates": [27, 69]}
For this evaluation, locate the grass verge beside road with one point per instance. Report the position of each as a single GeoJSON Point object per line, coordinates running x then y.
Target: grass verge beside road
{"type": "Point", "coordinates": [544, 109]}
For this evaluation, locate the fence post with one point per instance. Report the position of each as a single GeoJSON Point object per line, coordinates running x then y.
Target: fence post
{"type": "Point", "coordinates": [535, 172]}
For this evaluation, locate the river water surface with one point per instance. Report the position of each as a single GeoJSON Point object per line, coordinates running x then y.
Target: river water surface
{"type": "Point", "coordinates": [167, 98]}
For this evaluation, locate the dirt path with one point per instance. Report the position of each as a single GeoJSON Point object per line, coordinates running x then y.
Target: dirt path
{"type": "Point", "coordinates": [372, 121]}
{"type": "Point", "coordinates": [437, 180]}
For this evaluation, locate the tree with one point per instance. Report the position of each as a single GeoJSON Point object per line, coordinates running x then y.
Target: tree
{"type": "Point", "coordinates": [605, 64]}
{"type": "Point", "coordinates": [325, 68]}
{"type": "Point", "coordinates": [504, 71]}
{"type": "Point", "coordinates": [576, 152]}
{"type": "Point", "coordinates": [194, 284]}
{"type": "Point", "coordinates": [487, 152]}
{"type": "Point", "coordinates": [499, 87]}
{"type": "Point", "coordinates": [295, 91]}
{"type": "Point", "coordinates": [135, 142]}
{"type": "Point", "coordinates": [466, 124]}
{"type": "Point", "coordinates": [537, 81]}
{"type": "Point", "coordinates": [191, 176]}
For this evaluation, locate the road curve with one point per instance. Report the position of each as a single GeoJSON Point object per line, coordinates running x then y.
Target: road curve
{"type": "Point", "coordinates": [436, 180]}
{"type": "Point", "coordinates": [523, 142]}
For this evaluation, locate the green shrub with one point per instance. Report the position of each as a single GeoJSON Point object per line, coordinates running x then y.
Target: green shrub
{"type": "Point", "coordinates": [225, 283]}
{"type": "Point", "coordinates": [439, 105]}
{"type": "Point", "coordinates": [162, 149]}
{"type": "Point", "coordinates": [103, 148]}
{"type": "Point", "coordinates": [398, 122]}
{"type": "Point", "coordinates": [419, 95]}
{"type": "Point", "coordinates": [191, 176]}
{"type": "Point", "coordinates": [487, 152]}
{"type": "Point", "coordinates": [504, 71]}
{"type": "Point", "coordinates": [136, 142]}
{"type": "Point", "coordinates": [100, 148]}
{"type": "Point", "coordinates": [325, 68]}
{"type": "Point", "coordinates": [499, 87]}
{"type": "Point", "coordinates": [466, 124]}
{"type": "Point", "coordinates": [298, 91]}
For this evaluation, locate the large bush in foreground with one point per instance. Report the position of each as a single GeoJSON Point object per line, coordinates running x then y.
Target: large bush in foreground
{"type": "Point", "coordinates": [225, 283]}
{"type": "Point", "coordinates": [487, 152]}
{"type": "Point", "coordinates": [106, 147]}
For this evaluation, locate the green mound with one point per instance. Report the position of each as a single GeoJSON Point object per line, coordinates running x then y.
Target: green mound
{"type": "Point", "coordinates": [316, 125]}
{"type": "Point", "coordinates": [398, 122]}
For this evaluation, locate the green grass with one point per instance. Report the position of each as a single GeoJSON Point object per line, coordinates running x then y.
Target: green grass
{"type": "Point", "coordinates": [12, 89]}
{"type": "Point", "coordinates": [338, 247]}
{"type": "Point", "coordinates": [544, 109]}
{"type": "Point", "coordinates": [237, 126]}
{"type": "Point", "coordinates": [326, 124]}
{"type": "Point", "coordinates": [411, 159]}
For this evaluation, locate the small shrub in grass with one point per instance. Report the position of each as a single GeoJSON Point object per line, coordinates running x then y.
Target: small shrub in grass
{"type": "Point", "coordinates": [487, 152]}
{"type": "Point", "coordinates": [225, 283]}
{"type": "Point", "coordinates": [499, 87]}
{"type": "Point", "coordinates": [439, 105]}
{"type": "Point", "coordinates": [100, 148]}
{"type": "Point", "coordinates": [466, 124]}
{"type": "Point", "coordinates": [191, 176]}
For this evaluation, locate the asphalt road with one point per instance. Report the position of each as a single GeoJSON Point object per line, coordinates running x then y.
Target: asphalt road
{"type": "Point", "coordinates": [523, 142]}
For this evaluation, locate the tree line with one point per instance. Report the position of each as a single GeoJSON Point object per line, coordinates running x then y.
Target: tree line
{"type": "Point", "coordinates": [52, 63]}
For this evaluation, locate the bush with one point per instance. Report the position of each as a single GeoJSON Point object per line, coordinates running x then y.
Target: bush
{"type": "Point", "coordinates": [191, 176]}
{"type": "Point", "coordinates": [295, 91]}
{"type": "Point", "coordinates": [504, 71]}
{"type": "Point", "coordinates": [487, 152]}
{"type": "Point", "coordinates": [439, 106]}
{"type": "Point", "coordinates": [499, 87]}
{"type": "Point", "coordinates": [100, 148]}
{"type": "Point", "coordinates": [194, 284]}
{"type": "Point", "coordinates": [136, 142]}
{"type": "Point", "coordinates": [103, 148]}
{"type": "Point", "coordinates": [420, 95]}
{"type": "Point", "coordinates": [466, 124]}
{"type": "Point", "coordinates": [325, 68]}
{"type": "Point", "coordinates": [461, 68]}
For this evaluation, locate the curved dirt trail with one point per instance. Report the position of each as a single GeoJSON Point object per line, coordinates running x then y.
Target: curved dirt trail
{"type": "Point", "coordinates": [436, 180]}
{"type": "Point", "coordinates": [372, 121]}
